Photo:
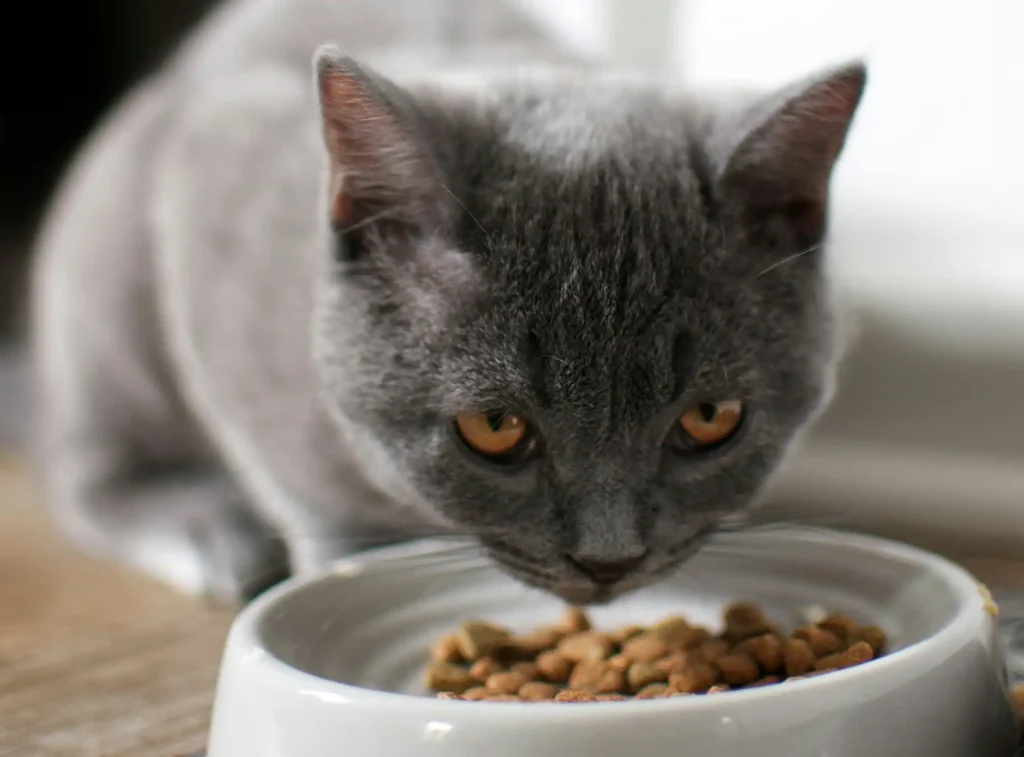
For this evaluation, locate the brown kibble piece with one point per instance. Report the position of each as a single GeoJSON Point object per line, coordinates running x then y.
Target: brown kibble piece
{"type": "Point", "coordinates": [798, 656]}
{"type": "Point", "coordinates": [843, 626]}
{"type": "Point", "coordinates": [446, 649]}
{"type": "Point", "coordinates": [694, 637]}
{"type": "Point", "coordinates": [822, 642]}
{"type": "Point", "coordinates": [475, 694]}
{"type": "Point", "coordinates": [596, 677]}
{"type": "Point", "coordinates": [857, 654]}
{"type": "Point", "coordinates": [610, 697]}
{"type": "Point", "coordinates": [574, 696]}
{"type": "Point", "coordinates": [588, 645]}
{"type": "Point", "coordinates": [532, 644]}
{"type": "Point", "coordinates": [576, 620]}
{"type": "Point", "coordinates": [625, 634]}
{"type": "Point", "coordinates": [737, 669]}
{"type": "Point", "coordinates": [537, 691]}
{"type": "Point", "coordinates": [553, 667]}
{"type": "Point", "coordinates": [644, 648]}
{"type": "Point", "coordinates": [766, 681]}
{"type": "Point", "coordinates": [619, 662]}
{"type": "Point", "coordinates": [653, 691]}
{"type": "Point", "coordinates": [743, 614]}
{"type": "Point", "coordinates": [448, 695]}
{"type": "Point", "coordinates": [709, 652]}
{"type": "Point", "coordinates": [671, 631]}
{"type": "Point", "coordinates": [505, 683]}
{"type": "Point", "coordinates": [875, 638]}
{"type": "Point", "coordinates": [502, 698]}
{"type": "Point", "coordinates": [477, 639]}
{"type": "Point", "coordinates": [744, 620]}
{"type": "Point", "coordinates": [444, 676]}
{"type": "Point", "coordinates": [484, 668]}
{"type": "Point", "coordinates": [766, 651]}
{"type": "Point", "coordinates": [674, 663]}
{"type": "Point", "coordinates": [719, 688]}
{"type": "Point", "coordinates": [527, 670]}
{"type": "Point", "coordinates": [640, 674]}
{"type": "Point", "coordinates": [695, 679]}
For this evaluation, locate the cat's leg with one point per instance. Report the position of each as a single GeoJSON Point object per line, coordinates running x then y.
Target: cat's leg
{"type": "Point", "coordinates": [125, 470]}
{"type": "Point", "coordinates": [185, 525]}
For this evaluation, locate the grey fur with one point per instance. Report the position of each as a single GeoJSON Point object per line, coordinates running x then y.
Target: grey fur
{"type": "Point", "coordinates": [227, 383]}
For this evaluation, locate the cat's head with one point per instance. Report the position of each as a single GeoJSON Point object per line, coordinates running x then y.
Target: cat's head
{"type": "Point", "coordinates": [581, 319]}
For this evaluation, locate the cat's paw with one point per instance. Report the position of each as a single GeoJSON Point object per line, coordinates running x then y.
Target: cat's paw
{"type": "Point", "coordinates": [241, 557]}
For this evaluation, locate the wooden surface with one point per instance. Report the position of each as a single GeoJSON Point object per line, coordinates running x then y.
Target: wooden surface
{"type": "Point", "coordinates": [94, 661]}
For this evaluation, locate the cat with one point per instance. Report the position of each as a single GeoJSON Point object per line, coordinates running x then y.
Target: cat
{"type": "Point", "coordinates": [344, 272]}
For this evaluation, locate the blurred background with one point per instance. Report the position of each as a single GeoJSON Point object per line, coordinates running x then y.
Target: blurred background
{"type": "Point", "coordinates": [926, 437]}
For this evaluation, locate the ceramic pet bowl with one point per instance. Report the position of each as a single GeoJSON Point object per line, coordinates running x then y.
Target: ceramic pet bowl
{"type": "Point", "coordinates": [333, 665]}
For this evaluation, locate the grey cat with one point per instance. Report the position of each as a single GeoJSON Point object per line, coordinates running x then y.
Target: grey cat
{"type": "Point", "coordinates": [289, 304]}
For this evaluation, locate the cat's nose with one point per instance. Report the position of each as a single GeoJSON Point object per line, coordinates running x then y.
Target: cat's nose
{"type": "Point", "coordinates": [605, 571]}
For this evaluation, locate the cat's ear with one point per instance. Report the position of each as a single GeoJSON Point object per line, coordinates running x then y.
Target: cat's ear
{"type": "Point", "coordinates": [781, 167]}
{"type": "Point", "coordinates": [379, 166]}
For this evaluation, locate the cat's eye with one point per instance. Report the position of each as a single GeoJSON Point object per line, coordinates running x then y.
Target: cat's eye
{"type": "Point", "coordinates": [499, 436]}
{"type": "Point", "coordinates": [710, 424]}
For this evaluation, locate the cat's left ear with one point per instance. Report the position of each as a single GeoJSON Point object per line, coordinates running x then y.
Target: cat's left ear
{"type": "Point", "coordinates": [380, 166]}
{"type": "Point", "coordinates": [780, 170]}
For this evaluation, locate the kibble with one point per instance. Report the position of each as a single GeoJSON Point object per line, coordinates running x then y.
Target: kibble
{"type": "Point", "coordinates": [737, 669]}
{"type": "Point", "coordinates": [597, 677]}
{"type": "Point", "coordinates": [484, 668]}
{"type": "Point", "coordinates": [766, 651]}
{"type": "Point", "coordinates": [640, 674]}
{"type": "Point", "coordinates": [822, 642]}
{"type": "Point", "coordinates": [573, 661]}
{"type": "Point", "coordinates": [695, 679]}
{"type": "Point", "coordinates": [574, 696]}
{"type": "Point", "coordinates": [446, 676]}
{"type": "Point", "coordinates": [644, 648]}
{"type": "Point", "coordinates": [654, 691]}
{"type": "Point", "coordinates": [553, 667]}
{"type": "Point", "coordinates": [575, 620]}
{"type": "Point", "coordinates": [798, 657]}
{"type": "Point", "coordinates": [582, 647]}
{"type": "Point", "coordinates": [857, 654]}
{"type": "Point", "coordinates": [446, 650]}
{"type": "Point", "coordinates": [505, 683]}
{"type": "Point", "coordinates": [476, 639]}
{"type": "Point", "coordinates": [537, 691]}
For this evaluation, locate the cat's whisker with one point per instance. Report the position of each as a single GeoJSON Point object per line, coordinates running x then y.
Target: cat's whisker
{"type": "Point", "coordinates": [371, 219]}
{"type": "Point", "coordinates": [490, 242]}
{"type": "Point", "coordinates": [788, 259]}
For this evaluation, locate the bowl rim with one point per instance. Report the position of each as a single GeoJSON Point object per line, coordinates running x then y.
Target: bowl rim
{"type": "Point", "coordinates": [245, 640]}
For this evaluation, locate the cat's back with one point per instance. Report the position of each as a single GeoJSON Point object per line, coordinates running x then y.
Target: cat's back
{"type": "Point", "coordinates": [243, 33]}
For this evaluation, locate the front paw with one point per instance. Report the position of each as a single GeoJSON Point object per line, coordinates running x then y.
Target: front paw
{"type": "Point", "coordinates": [241, 557]}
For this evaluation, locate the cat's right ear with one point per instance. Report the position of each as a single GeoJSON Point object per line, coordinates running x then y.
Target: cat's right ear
{"type": "Point", "coordinates": [380, 168]}
{"type": "Point", "coordinates": [780, 169]}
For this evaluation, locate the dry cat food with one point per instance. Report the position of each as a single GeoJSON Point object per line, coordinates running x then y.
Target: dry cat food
{"type": "Point", "coordinates": [574, 662]}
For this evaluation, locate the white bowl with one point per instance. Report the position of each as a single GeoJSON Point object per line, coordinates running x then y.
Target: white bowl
{"type": "Point", "coordinates": [332, 665]}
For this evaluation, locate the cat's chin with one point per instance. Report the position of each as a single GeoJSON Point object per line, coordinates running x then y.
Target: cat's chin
{"type": "Point", "coordinates": [580, 594]}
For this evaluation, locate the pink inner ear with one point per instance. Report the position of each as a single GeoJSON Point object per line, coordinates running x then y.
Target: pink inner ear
{"type": "Point", "coordinates": [790, 158]}
{"type": "Point", "coordinates": [351, 117]}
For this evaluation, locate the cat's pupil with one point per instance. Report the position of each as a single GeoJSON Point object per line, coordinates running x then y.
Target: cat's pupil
{"type": "Point", "coordinates": [496, 421]}
{"type": "Point", "coordinates": [708, 411]}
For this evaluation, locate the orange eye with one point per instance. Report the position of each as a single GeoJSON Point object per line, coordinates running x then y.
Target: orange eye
{"type": "Point", "coordinates": [492, 434]}
{"type": "Point", "coordinates": [711, 423]}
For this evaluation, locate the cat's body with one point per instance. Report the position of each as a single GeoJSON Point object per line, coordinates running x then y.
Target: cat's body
{"type": "Point", "coordinates": [247, 342]}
